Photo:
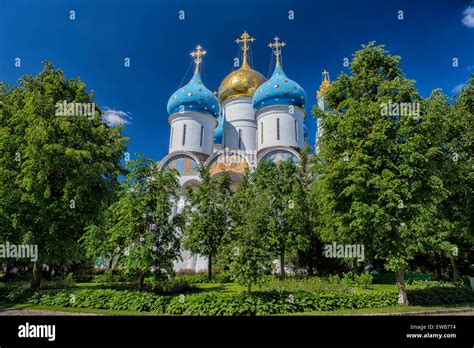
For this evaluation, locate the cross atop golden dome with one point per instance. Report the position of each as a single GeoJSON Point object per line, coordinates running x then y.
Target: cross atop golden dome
{"type": "Point", "coordinates": [244, 81]}
{"type": "Point", "coordinates": [277, 49]}
{"type": "Point", "coordinates": [324, 85]}
{"type": "Point", "coordinates": [245, 38]}
{"type": "Point", "coordinates": [199, 53]}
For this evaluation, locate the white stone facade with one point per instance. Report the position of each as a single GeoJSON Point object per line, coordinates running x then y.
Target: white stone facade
{"type": "Point", "coordinates": [192, 131]}
{"type": "Point", "coordinates": [240, 128]}
{"type": "Point", "coordinates": [280, 125]}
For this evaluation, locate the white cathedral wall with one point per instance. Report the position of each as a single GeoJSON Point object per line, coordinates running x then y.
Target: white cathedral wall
{"type": "Point", "coordinates": [239, 114]}
{"type": "Point", "coordinates": [192, 141]}
{"type": "Point", "coordinates": [319, 133]}
{"type": "Point", "coordinates": [189, 261]}
{"type": "Point", "coordinates": [289, 136]}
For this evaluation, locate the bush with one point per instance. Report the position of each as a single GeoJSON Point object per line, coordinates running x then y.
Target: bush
{"type": "Point", "coordinates": [15, 294]}
{"type": "Point", "coordinates": [423, 293]}
{"type": "Point", "coordinates": [363, 280]}
{"type": "Point", "coordinates": [312, 285]}
{"type": "Point", "coordinates": [232, 304]}
{"type": "Point", "coordinates": [390, 278]}
{"type": "Point", "coordinates": [200, 278]}
{"type": "Point", "coordinates": [109, 277]}
{"type": "Point", "coordinates": [173, 286]}
{"type": "Point", "coordinates": [208, 303]}
{"type": "Point", "coordinates": [211, 303]}
{"type": "Point", "coordinates": [102, 299]}
{"type": "Point", "coordinates": [193, 278]}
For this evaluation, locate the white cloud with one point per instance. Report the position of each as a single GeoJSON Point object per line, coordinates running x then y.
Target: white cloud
{"type": "Point", "coordinates": [458, 88]}
{"type": "Point", "coordinates": [468, 19]}
{"type": "Point", "coordinates": [114, 118]}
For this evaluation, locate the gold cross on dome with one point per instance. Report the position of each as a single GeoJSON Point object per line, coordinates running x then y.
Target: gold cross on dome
{"type": "Point", "coordinates": [277, 49]}
{"type": "Point", "coordinates": [325, 75]}
{"type": "Point", "coordinates": [197, 55]}
{"type": "Point", "coordinates": [244, 38]}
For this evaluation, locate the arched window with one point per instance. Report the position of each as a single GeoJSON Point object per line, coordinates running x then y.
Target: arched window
{"type": "Point", "coordinates": [278, 129]}
{"type": "Point", "coordinates": [171, 137]}
{"type": "Point", "coordinates": [240, 138]}
{"type": "Point", "coordinates": [261, 132]}
{"type": "Point", "coordinates": [296, 131]}
{"type": "Point", "coordinates": [202, 133]}
{"type": "Point", "coordinates": [184, 134]}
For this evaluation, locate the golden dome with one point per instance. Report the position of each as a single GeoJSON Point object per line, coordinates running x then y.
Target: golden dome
{"type": "Point", "coordinates": [240, 83]}
{"type": "Point", "coordinates": [244, 81]}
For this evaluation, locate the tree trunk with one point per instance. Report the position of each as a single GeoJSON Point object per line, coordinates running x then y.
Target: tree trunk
{"type": "Point", "coordinates": [6, 274]}
{"type": "Point", "coordinates": [36, 280]}
{"type": "Point", "coordinates": [49, 274]}
{"type": "Point", "coordinates": [455, 270]}
{"type": "Point", "coordinates": [111, 263]}
{"type": "Point", "coordinates": [282, 265]}
{"type": "Point", "coordinates": [402, 294]}
{"type": "Point", "coordinates": [141, 280]}
{"type": "Point", "coordinates": [209, 268]}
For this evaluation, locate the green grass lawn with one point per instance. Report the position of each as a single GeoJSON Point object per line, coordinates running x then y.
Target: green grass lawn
{"type": "Point", "coordinates": [226, 287]}
{"type": "Point", "coordinates": [387, 310]}
{"type": "Point", "coordinates": [76, 310]}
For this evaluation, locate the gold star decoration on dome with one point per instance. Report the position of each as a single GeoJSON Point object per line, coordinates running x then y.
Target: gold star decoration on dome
{"type": "Point", "coordinates": [197, 55]}
{"type": "Point", "coordinates": [245, 38]}
{"type": "Point", "coordinates": [276, 46]}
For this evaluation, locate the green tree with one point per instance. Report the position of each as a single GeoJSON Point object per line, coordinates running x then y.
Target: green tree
{"type": "Point", "coordinates": [207, 216]}
{"type": "Point", "coordinates": [56, 172]}
{"type": "Point", "coordinates": [251, 245]}
{"type": "Point", "coordinates": [379, 173]}
{"type": "Point", "coordinates": [145, 232]}
{"type": "Point", "coordinates": [456, 128]}
{"type": "Point", "coordinates": [283, 186]}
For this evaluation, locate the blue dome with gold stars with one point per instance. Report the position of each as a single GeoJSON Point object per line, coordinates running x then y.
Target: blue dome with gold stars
{"type": "Point", "coordinates": [306, 132]}
{"type": "Point", "coordinates": [194, 96]}
{"type": "Point", "coordinates": [219, 131]}
{"type": "Point", "coordinates": [279, 90]}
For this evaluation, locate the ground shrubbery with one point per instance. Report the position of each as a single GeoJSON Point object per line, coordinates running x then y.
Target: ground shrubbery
{"type": "Point", "coordinates": [163, 287]}
{"type": "Point", "coordinates": [422, 293]}
{"type": "Point", "coordinates": [207, 303]}
{"type": "Point", "coordinates": [312, 285]}
{"type": "Point", "coordinates": [267, 303]}
{"type": "Point", "coordinates": [218, 303]}
{"type": "Point", "coordinates": [277, 297]}
{"type": "Point", "coordinates": [200, 278]}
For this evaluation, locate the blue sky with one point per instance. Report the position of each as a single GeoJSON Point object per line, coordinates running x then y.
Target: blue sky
{"type": "Point", "coordinates": [158, 43]}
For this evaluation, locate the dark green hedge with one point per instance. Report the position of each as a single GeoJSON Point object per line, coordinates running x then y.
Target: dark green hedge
{"type": "Point", "coordinates": [435, 292]}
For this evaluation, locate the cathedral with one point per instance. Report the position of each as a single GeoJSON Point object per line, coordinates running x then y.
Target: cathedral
{"type": "Point", "coordinates": [249, 120]}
